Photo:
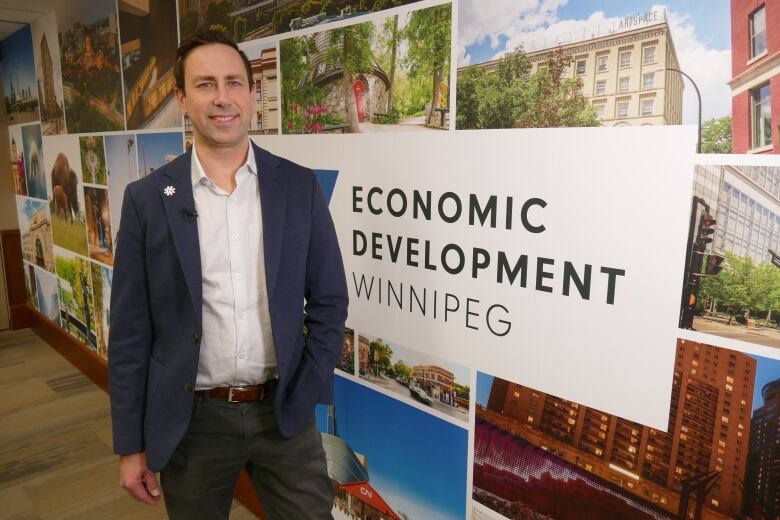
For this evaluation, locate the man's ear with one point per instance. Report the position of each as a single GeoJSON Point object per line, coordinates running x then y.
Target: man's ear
{"type": "Point", "coordinates": [180, 100]}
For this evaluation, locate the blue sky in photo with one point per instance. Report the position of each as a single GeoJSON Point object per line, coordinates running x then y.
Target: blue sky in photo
{"type": "Point", "coordinates": [711, 18]}
{"type": "Point", "coordinates": [48, 299]}
{"type": "Point", "coordinates": [30, 207]}
{"type": "Point", "coordinates": [766, 370]}
{"type": "Point", "coordinates": [484, 384]}
{"type": "Point", "coordinates": [154, 148]}
{"type": "Point", "coordinates": [411, 454]}
{"type": "Point", "coordinates": [36, 180]}
{"type": "Point", "coordinates": [118, 161]}
{"type": "Point", "coordinates": [18, 62]}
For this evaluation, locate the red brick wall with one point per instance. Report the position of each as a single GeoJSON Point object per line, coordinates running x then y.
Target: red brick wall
{"type": "Point", "coordinates": [740, 55]}
{"type": "Point", "coordinates": [740, 119]}
{"type": "Point", "coordinates": [740, 31]}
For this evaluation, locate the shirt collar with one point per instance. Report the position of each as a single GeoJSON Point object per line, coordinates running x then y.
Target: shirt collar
{"type": "Point", "coordinates": [198, 174]}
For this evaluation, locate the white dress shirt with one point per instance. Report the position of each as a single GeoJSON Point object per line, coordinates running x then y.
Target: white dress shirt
{"type": "Point", "coordinates": [237, 345]}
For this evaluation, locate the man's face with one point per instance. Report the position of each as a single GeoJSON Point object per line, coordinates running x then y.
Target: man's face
{"type": "Point", "coordinates": [216, 96]}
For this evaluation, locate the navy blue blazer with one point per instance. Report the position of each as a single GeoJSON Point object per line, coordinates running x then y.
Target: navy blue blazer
{"type": "Point", "coordinates": [156, 303]}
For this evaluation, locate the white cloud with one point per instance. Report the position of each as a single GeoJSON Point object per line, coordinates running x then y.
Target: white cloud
{"type": "Point", "coordinates": [478, 20]}
{"type": "Point", "coordinates": [709, 68]}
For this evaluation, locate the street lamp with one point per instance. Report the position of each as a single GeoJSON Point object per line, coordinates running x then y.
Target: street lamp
{"type": "Point", "coordinates": [698, 95]}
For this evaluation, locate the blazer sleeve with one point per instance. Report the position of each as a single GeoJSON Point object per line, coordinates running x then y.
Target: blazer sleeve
{"type": "Point", "coordinates": [325, 293]}
{"type": "Point", "coordinates": [130, 334]}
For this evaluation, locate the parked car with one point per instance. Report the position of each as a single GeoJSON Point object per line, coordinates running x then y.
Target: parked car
{"type": "Point", "coordinates": [419, 394]}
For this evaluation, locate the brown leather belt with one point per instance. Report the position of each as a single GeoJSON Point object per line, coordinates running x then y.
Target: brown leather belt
{"type": "Point", "coordinates": [240, 394]}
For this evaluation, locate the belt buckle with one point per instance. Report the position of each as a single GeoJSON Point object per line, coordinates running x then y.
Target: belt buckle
{"type": "Point", "coordinates": [230, 395]}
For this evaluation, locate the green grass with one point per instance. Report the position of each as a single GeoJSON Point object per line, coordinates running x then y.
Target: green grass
{"type": "Point", "coordinates": [71, 236]}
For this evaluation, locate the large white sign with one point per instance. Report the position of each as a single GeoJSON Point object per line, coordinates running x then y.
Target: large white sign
{"type": "Point", "coordinates": [551, 258]}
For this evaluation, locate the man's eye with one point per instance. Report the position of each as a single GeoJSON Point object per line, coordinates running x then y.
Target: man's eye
{"type": "Point", "coordinates": [206, 84]}
{"type": "Point", "coordinates": [235, 83]}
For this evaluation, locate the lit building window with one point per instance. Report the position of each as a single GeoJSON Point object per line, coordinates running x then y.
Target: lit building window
{"type": "Point", "coordinates": [600, 110]}
{"type": "Point", "coordinates": [601, 87]}
{"type": "Point", "coordinates": [649, 55]}
{"type": "Point", "coordinates": [625, 59]}
{"type": "Point", "coordinates": [622, 109]}
{"type": "Point", "coordinates": [601, 63]}
{"type": "Point", "coordinates": [761, 112]}
{"type": "Point", "coordinates": [623, 85]}
{"type": "Point", "coordinates": [758, 32]}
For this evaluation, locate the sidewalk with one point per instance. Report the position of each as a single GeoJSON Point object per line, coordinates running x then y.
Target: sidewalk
{"type": "Point", "coordinates": [754, 334]}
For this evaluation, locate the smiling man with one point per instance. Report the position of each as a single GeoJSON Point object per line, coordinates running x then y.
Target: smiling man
{"type": "Point", "coordinates": [217, 252]}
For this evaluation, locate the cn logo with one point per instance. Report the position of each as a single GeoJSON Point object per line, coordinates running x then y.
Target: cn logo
{"type": "Point", "coordinates": [366, 492]}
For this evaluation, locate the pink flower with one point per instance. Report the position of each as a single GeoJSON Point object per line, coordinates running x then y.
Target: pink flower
{"type": "Point", "coordinates": [289, 125]}
{"type": "Point", "coordinates": [294, 106]}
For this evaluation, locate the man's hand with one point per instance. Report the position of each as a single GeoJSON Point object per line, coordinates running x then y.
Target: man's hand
{"type": "Point", "coordinates": [137, 479]}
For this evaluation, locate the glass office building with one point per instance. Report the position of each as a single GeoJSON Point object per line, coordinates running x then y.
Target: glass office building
{"type": "Point", "coordinates": [745, 201]}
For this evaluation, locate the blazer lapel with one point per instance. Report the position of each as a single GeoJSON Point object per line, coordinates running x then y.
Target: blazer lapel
{"type": "Point", "coordinates": [273, 198]}
{"type": "Point", "coordinates": [176, 192]}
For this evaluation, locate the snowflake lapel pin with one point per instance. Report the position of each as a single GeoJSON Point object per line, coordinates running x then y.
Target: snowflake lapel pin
{"type": "Point", "coordinates": [169, 191]}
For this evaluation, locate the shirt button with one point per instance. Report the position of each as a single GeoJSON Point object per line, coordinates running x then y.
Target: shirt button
{"type": "Point", "coordinates": [242, 356]}
{"type": "Point", "coordinates": [234, 238]}
{"type": "Point", "coordinates": [188, 387]}
{"type": "Point", "coordinates": [196, 338]}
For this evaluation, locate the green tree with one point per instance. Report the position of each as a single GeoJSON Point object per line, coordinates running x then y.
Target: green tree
{"type": "Point", "coordinates": [188, 23]}
{"type": "Point", "coordinates": [217, 14]}
{"type": "Point", "coordinates": [350, 49]}
{"type": "Point", "coordinates": [741, 285]}
{"type": "Point", "coordinates": [239, 29]}
{"type": "Point", "coordinates": [282, 18]}
{"type": "Point", "coordinates": [557, 101]}
{"type": "Point", "coordinates": [428, 35]}
{"type": "Point", "coordinates": [380, 355]}
{"type": "Point", "coordinates": [219, 28]}
{"type": "Point", "coordinates": [462, 390]}
{"type": "Point", "coordinates": [716, 135]}
{"type": "Point", "coordinates": [389, 40]}
{"type": "Point", "coordinates": [403, 371]}
{"type": "Point", "coordinates": [511, 97]}
{"type": "Point", "coordinates": [330, 7]}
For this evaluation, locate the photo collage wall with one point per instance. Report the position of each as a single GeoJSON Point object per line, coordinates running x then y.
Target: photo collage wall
{"type": "Point", "coordinates": [89, 92]}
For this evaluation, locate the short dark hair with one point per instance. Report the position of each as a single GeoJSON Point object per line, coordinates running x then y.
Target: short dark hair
{"type": "Point", "coordinates": [206, 37]}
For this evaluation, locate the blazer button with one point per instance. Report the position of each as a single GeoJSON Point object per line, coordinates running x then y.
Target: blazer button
{"type": "Point", "coordinates": [188, 387]}
{"type": "Point", "coordinates": [196, 338]}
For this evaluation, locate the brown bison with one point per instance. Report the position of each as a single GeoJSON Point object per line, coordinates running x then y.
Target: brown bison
{"type": "Point", "coordinates": [60, 202]}
{"type": "Point", "coordinates": [62, 175]}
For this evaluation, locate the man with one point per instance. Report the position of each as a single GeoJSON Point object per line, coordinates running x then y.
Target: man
{"type": "Point", "coordinates": [210, 372]}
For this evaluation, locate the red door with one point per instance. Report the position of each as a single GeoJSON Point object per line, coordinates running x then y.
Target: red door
{"type": "Point", "coordinates": [360, 100]}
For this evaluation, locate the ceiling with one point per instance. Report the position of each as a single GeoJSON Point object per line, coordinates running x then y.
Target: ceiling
{"type": "Point", "coordinates": [14, 14]}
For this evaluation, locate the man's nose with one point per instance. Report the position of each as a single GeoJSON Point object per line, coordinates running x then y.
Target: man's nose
{"type": "Point", "coordinates": [220, 96]}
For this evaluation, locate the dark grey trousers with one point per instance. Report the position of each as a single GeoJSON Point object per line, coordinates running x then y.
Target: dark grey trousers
{"type": "Point", "coordinates": [290, 476]}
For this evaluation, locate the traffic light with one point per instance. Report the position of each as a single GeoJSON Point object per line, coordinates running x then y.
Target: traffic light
{"type": "Point", "coordinates": [713, 263]}
{"type": "Point", "coordinates": [706, 228]}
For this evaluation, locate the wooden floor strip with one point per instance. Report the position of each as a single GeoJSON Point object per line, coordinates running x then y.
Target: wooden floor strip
{"type": "Point", "coordinates": [56, 460]}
